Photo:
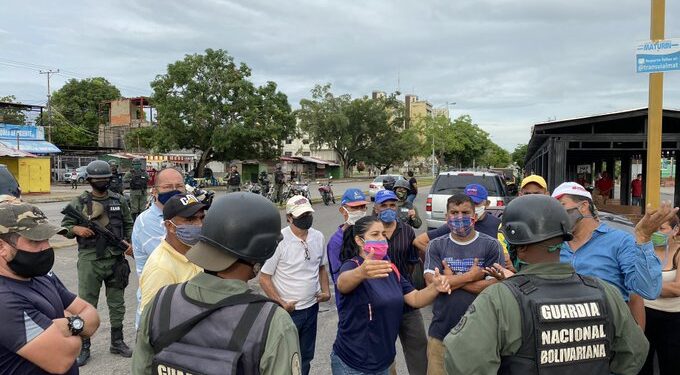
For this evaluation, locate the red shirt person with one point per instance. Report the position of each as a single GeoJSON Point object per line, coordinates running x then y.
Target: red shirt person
{"type": "Point", "coordinates": [636, 190]}
{"type": "Point", "coordinates": [605, 185]}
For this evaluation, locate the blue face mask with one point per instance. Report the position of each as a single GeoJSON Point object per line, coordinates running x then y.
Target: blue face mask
{"type": "Point", "coordinates": [165, 197]}
{"type": "Point", "coordinates": [461, 225]}
{"type": "Point", "coordinates": [187, 234]}
{"type": "Point", "coordinates": [387, 216]}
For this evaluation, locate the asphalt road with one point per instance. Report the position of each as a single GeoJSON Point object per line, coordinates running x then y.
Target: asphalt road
{"type": "Point", "coordinates": [326, 219]}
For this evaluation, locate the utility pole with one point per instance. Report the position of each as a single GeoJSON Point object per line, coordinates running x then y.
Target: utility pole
{"type": "Point", "coordinates": [655, 112]}
{"type": "Point", "coordinates": [49, 102]}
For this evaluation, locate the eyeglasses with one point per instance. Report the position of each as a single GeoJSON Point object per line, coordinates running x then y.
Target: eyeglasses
{"type": "Point", "coordinates": [304, 244]}
{"type": "Point", "coordinates": [170, 187]}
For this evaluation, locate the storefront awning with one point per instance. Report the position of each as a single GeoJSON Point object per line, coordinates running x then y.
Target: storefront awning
{"type": "Point", "coordinates": [310, 159]}
{"type": "Point", "coordinates": [31, 146]}
{"type": "Point", "coordinates": [13, 153]}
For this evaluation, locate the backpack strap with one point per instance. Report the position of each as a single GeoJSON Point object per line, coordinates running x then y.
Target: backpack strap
{"type": "Point", "coordinates": [168, 336]}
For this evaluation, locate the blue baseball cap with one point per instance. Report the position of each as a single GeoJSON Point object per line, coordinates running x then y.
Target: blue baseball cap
{"type": "Point", "coordinates": [353, 197]}
{"type": "Point", "coordinates": [477, 193]}
{"type": "Point", "coordinates": [385, 195]}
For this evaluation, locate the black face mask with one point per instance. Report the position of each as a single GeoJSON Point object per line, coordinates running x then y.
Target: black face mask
{"type": "Point", "coordinates": [31, 264]}
{"type": "Point", "coordinates": [303, 222]}
{"type": "Point", "coordinates": [100, 186]}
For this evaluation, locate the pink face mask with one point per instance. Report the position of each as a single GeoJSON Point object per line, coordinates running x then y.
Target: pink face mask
{"type": "Point", "coordinates": [378, 248]}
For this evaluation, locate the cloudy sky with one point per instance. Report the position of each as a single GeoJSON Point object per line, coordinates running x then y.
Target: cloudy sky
{"type": "Point", "coordinates": [508, 64]}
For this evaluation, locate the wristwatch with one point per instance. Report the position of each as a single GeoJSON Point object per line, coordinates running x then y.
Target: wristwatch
{"type": "Point", "coordinates": [76, 324]}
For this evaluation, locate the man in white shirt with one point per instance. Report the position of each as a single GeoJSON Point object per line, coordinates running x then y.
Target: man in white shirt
{"type": "Point", "coordinates": [296, 276]}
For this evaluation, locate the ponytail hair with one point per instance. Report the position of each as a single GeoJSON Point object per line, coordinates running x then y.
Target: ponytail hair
{"type": "Point", "coordinates": [350, 248]}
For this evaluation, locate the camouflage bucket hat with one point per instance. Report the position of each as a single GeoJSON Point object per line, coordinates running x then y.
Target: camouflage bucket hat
{"type": "Point", "coordinates": [27, 221]}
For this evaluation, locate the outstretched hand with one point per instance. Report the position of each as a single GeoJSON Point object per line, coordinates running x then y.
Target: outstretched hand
{"type": "Point", "coordinates": [499, 272]}
{"type": "Point", "coordinates": [652, 220]}
{"type": "Point", "coordinates": [375, 269]}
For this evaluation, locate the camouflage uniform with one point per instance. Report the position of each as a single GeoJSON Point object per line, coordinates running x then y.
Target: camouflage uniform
{"type": "Point", "coordinates": [137, 179]}
{"type": "Point", "coordinates": [93, 268]}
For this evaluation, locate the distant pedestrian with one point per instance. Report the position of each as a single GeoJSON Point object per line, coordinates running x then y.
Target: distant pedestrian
{"type": "Point", "coordinates": [233, 180]}
{"type": "Point", "coordinates": [138, 180]}
{"type": "Point", "coordinates": [636, 190]}
{"type": "Point", "coordinates": [413, 191]}
{"type": "Point", "coordinates": [279, 182]}
{"type": "Point", "coordinates": [605, 185]}
{"type": "Point", "coordinates": [74, 181]}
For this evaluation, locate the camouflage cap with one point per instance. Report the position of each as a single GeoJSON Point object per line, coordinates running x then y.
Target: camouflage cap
{"type": "Point", "coordinates": [27, 221]}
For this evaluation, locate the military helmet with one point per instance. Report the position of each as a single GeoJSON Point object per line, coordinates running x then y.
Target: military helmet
{"type": "Point", "coordinates": [98, 169]}
{"type": "Point", "coordinates": [137, 161]}
{"type": "Point", "coordinates": [244, 225]}
{"type": "Point", "coordinates": [535, 218]}
{"type": "Point", "coordinates": [402, 184]}
{"type": "Point", "coordinates": [388, 183]}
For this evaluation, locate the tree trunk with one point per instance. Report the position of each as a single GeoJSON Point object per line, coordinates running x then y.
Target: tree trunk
{"type": "Point", "coordinates": [200, 168]}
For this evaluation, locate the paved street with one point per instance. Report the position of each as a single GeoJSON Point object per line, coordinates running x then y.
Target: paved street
{"type": "Point", "coordinates": [326, 219]}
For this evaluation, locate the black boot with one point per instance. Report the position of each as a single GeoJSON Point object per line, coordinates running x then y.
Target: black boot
{"type": "Point", "coordinates": [84, 355]}
{"type": "Point", "coordinates": [118, 346]}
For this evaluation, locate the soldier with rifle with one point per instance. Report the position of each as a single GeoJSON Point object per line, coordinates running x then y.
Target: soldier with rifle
{"type": "Point", "coordinates": [138, 180]}
{"type": "Point", "coordinates": [101, 223]}
{"type": "Point", "coordinates": [116, 178]}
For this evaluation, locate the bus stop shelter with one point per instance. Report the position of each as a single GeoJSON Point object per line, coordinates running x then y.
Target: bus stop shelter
{"type": "Point", "coordinates": [561, 150]}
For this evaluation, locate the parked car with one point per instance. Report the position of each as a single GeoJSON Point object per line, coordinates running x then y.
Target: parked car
{"type": "Point", "coordinates": [8, 184]}
{"type": "Point", "coordinates": [449, 183]}
{"type": "Point", "coordinates": [79, 174]}
{"type": "Point", "coordinates": [377, 183]}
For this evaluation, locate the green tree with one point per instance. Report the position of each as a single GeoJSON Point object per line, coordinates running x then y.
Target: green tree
{"type": "Point", "coordinates": [75, 110]}
{"type": "Point", "coordinates": [355, 129]}
{"type": "Point", "coordinates": [11, 115]}
{"type": "Point", "coordinates": [459, 142]}
{"type": "Point", "coordinates": [495, 156]}
{"type": "Point", "coordinates": [207, 102]}
{"type": "Point", "coordinates": [519, 154]}
{"type": "Point", "coordinates": [392, 148]}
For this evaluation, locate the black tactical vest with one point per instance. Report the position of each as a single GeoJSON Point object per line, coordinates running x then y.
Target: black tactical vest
{"type": "Point", "coordinates": [116, 183]}
{"type": "Point", "coordinates": [228, 340]}
{"type": "Point", "coordinates": [138, 180]}
{"type": "Point", "coordinates": [112, 209]}
{"type": "Point", "coordinates": [234, 179]}
{"type": "Point", "coordinates": [565, 326]}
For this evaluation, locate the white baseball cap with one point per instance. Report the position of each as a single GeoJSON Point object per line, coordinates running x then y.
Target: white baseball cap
{"type": "Point", "coordinates": [571, 188]}
{"type": "Point", "coordinates": [298, 205]}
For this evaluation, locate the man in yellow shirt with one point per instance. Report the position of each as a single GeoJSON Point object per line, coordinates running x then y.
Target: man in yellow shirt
{"type": "Point", "coordinates": [183, 217]}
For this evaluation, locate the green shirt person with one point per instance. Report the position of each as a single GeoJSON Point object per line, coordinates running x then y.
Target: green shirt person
{"type": "Point", "coordinates": [240, 232]}
{"type": "Point", "coordinates": [546, 315]}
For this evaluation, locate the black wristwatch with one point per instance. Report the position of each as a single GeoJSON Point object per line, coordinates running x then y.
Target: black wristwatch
{"type": "Point", "coordinates": [76, 324]}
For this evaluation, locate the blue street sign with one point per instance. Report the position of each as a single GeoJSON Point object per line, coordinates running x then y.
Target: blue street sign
{"type": "Point", "coordinates": [658, 56]}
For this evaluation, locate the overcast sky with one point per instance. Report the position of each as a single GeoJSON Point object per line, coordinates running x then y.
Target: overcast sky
{"type": "Point", "coordinates": [508, 64]}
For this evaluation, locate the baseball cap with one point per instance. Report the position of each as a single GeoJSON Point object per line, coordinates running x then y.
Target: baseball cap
{"type": "Point", "coordinates": [298, 205]}
{"type": "Point", "coordinates": [182, 205]}
{"type": "Point", "coordinates": [27, 221]}
{"type": "Point", "coordinates": [209, 257]}
{"type": "Point", "coordinates": [571, 188]}
{"type": "Point", "coordinates": [385, 195]}
{"type": "Point", "coordinates": [353, 197]}
{"type": "Point", "coordinates": [477, 193]}
{"type": "Point", "coordinates": [536, 179]}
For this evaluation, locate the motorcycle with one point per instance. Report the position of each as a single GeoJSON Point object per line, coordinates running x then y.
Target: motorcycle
{"type": "Point", "coordinates": [326, 191]}
{"type": "Point", "coordinates": [252, 187]}
{"type": "Point", "coordinates": [264, 182]}
{"type": "Point", "coordinates": [300, 189]}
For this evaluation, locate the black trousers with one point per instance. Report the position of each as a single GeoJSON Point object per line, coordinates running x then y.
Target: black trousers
{"type": "Point", "coordinates": [663, 333]}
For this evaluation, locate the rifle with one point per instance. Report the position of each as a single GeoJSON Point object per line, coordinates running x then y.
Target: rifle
{"type": "Point", "coordinates": [104, 236]}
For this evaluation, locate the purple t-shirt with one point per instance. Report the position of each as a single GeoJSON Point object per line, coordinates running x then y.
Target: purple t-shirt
{"type": "Point", "coordinates": [368, 321]}
{"type": "Point", "coordinates": [333, 249]}
{"type": "Point", "coordinates": [449, 308]}
{"type": "Point", "coordinates": [27, 309]}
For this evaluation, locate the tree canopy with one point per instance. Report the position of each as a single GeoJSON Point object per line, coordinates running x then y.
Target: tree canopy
{"type": "Point", "coordinates": [519, 154]}
{"type": "Point", "coordinates": [11, 115]}
{"type": "Point", "coordinates": [360, 129]}
{"type": "Point", "coordinates": [207, 102]}
{"type": "Point", "coordinates": [75, 110]}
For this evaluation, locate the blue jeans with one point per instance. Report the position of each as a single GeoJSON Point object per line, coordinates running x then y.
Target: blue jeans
{"type": "Point", "coordinates": [411, 197]}
{"type": "Point", "coordinates": [637, 201]}
{"type": "Point", "coordinates": [305, 321]}
{"type": "Point", "coordinates": [338, 367]}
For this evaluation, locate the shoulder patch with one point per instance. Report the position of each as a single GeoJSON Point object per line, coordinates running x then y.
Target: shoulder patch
{"type": "Point", "coordinates": [295, 368]}
{"type": "Point", "coordinates": [460, 325]}
{"type": "Point", "coordinates": [471, 309]}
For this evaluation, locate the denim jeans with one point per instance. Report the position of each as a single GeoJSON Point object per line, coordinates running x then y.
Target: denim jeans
{"type": "Point", "coordinates": [305, 321]}
{"type": "Point", "coordinates": [411, 197]}
{"type": "Point", "coordinates": [338, 367]}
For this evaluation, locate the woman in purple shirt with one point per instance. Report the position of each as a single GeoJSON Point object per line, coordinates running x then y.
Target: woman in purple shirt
{"type": "Point", "coordinates": [372, 299]}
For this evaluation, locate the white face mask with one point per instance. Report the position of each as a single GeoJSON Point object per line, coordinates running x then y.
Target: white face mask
{"type": "Point", "coordinates": [353, 216]}
{"type": "Point", "coordinates": [479, 210]}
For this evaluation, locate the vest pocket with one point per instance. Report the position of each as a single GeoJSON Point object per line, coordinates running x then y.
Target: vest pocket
{"type": "Point", "coordinates": [182, 358]}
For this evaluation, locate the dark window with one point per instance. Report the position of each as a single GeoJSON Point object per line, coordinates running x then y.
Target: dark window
{"type": "Point", "coordinates": [452, 184]}
{"type": "Point", "coordinates": [305, 141]}
{"type": "Point", "coordinates": [288, 153]}
{"type": "Point", "coordinates": [289, 141]}
{"type": "Point", "coordinates": [305, 153]}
